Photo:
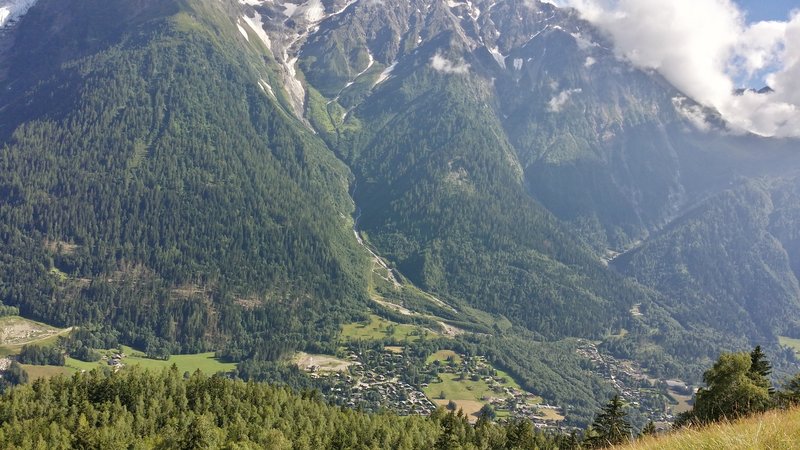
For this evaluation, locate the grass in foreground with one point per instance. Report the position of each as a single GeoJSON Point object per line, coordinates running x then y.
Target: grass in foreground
{"type": "Point", "coordinates": [772, 430]}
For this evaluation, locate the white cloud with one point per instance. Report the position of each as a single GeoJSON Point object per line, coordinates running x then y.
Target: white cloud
{"type": "Point", "coordinates": [13, 9]}
{"type": "Point", "coordinates": [444, 65]}
{"type": "Point", "coordinates": [692, 112]}
{"type": "Point", "coordinates": [589, 62]}
{"type": "Point", "coordinates": [702, 46]}
{"type": "Point", "coordinates": [556, 104]}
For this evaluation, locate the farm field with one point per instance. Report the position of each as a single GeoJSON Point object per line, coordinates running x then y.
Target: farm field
{"type": "Point", "coordinates": [442, 356]}
{"type": "Point", "coordinates": [790, 342]}
{"type": "Point", "coordinates": [379, 329]}
{"type": "Point", "coordinates": [36, 372]}
{"type": "Point", "coordinates": [205, 362]}
{"type": "Point", "coordinates": [468, 385]}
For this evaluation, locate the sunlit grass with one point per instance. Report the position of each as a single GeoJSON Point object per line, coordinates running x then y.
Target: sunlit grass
{"type": "Point", "coordinates": [773, 430]}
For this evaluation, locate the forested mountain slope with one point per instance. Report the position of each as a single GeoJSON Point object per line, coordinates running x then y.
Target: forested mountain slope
{"type": "Point", "coordinates": [502, 148]}
{"type": "Point", "coordinates": [722, 262]}
{"type": "Point", "coordinates": [187, 173]}
{"type": "Point", "coordinates": [150, 180]}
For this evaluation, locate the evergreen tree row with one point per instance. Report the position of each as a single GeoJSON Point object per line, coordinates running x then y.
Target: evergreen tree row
{"type": "Point", "coordinates": [167, 410]}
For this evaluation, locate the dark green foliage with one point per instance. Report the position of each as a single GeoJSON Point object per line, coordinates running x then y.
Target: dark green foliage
{"type": "Point", "coordinates": [611, 426]}
{"type": "Point", "coordinates": [41, 356]}
{"type": "Point", "coordinates": [552, 370]}
{"type": "Point", "coordinates": [733, 390]}
{"type": "Point", "coordinates": [165, 411]}
{"type": "Point", "coordinates": [275, 373]}
{"type": "Point", "coordinates": [8, 310]}
{"type": "Point", "coordinates": [82, 342]}
{"type": "Point", "coordinates": [789, 396]}
{"type": "Point", "coordinates": [649, 429]}
{"type": "Point", "coordinates": [487, 412]}
{"type": "Point", "coordinates": [760, 367]}
{"type": "Point", "coordinates": [164, 190]}
{"type": "Point", "coordinates": [449, 206]}
{"type": "Point", "coordinates": [12, 376]}
{"type": "Point", "coordinates": [720, 268]}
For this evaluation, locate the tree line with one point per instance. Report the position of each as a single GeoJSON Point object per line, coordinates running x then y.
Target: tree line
{"type": "Point", "coordinates": [737, 386]}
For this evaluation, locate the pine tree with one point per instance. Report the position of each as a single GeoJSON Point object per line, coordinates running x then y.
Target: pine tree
{"type": "Point", "coordinates": [760, 368]}
{"type": "Point", "coordinates": [789, 396]}
{"type": "Point", "coordinates": [611, 426]}
{"type": "Point", "coordinates": [649, 429]}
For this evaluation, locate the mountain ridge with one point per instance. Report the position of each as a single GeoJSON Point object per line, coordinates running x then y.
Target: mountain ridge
{"type": "Point", "coordinates": [201, 159]}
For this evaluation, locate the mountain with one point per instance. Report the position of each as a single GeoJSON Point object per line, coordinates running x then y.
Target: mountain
{"type": "Point", "coordinates": [193, 175]}
{"type": "Point", "coordinates": [722, 259]}
{"type": "Point", "coordinates": [147, 168]}
{"type": "Point", "coordinates": [542, 154]}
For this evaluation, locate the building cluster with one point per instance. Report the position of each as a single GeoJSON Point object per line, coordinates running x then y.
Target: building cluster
{"type": "Point", "coordinates": [648, 395]}
{"type": "Point", "coordinates": [376, 381]}
{"type": "Point", "coordinates": [505, 397]}
{"type": "Point", "coordinates": [115, 360]}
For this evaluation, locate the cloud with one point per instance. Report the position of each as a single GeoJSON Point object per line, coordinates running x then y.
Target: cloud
{"type": "Point", "coordinates": [556, 104]}
{"type": "Point", "coordinates": [692, 112]}
{"type": "Point", "coordinates": [444, 65]}
{"type": "Point", "coordinates": [702, 46]}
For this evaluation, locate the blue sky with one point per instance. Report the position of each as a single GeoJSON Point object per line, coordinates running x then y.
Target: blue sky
{"type": "Point", "coordinates": [768, 9]}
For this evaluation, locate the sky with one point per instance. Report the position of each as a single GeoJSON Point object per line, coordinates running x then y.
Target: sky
{"type": "Point", "coordinates": [758, 10]}
{"type": "Point", "coordinates": [709, 48]}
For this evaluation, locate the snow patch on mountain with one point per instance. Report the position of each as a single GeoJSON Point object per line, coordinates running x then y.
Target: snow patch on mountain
{"type": "Point", "coordinates": [12, 10]}
{"type": "Point", "coordinates": [387, 72]}
{"type": "Point", "coordinates": [499, 57]}
{"type": "Point", "coordinates": [242, 30]}
{"type": "Point", "coordinates": [257, 25]}
{"type": "Point", "coordinates": [314, 11]}
{"type": "Point", "coordinates": [296, 90]}
{"type": "Point", "coordinates": [266, 87]}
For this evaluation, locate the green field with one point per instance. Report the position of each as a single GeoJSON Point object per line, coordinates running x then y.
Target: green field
{"type": "Point", "coordinates": [467, 389]}
{"type": "Point", "coordinates": [442, 356]}
{"type": "Point", "coordinates": [790, 342]}
{"type": "Point", "coordinates": [379, 329]}
{"type": "Point", "coordinates": [470, 395]}
{"type": "Point", "coordinates": [16, 332]}
{"type": "Point", "coordinates": [205, 362]}
{"type": "Point", "coordinates": [35, 372]}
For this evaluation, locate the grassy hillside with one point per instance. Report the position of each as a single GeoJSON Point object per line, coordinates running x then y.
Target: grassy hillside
{"type": "Point", "coordinates": [775, 429]}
